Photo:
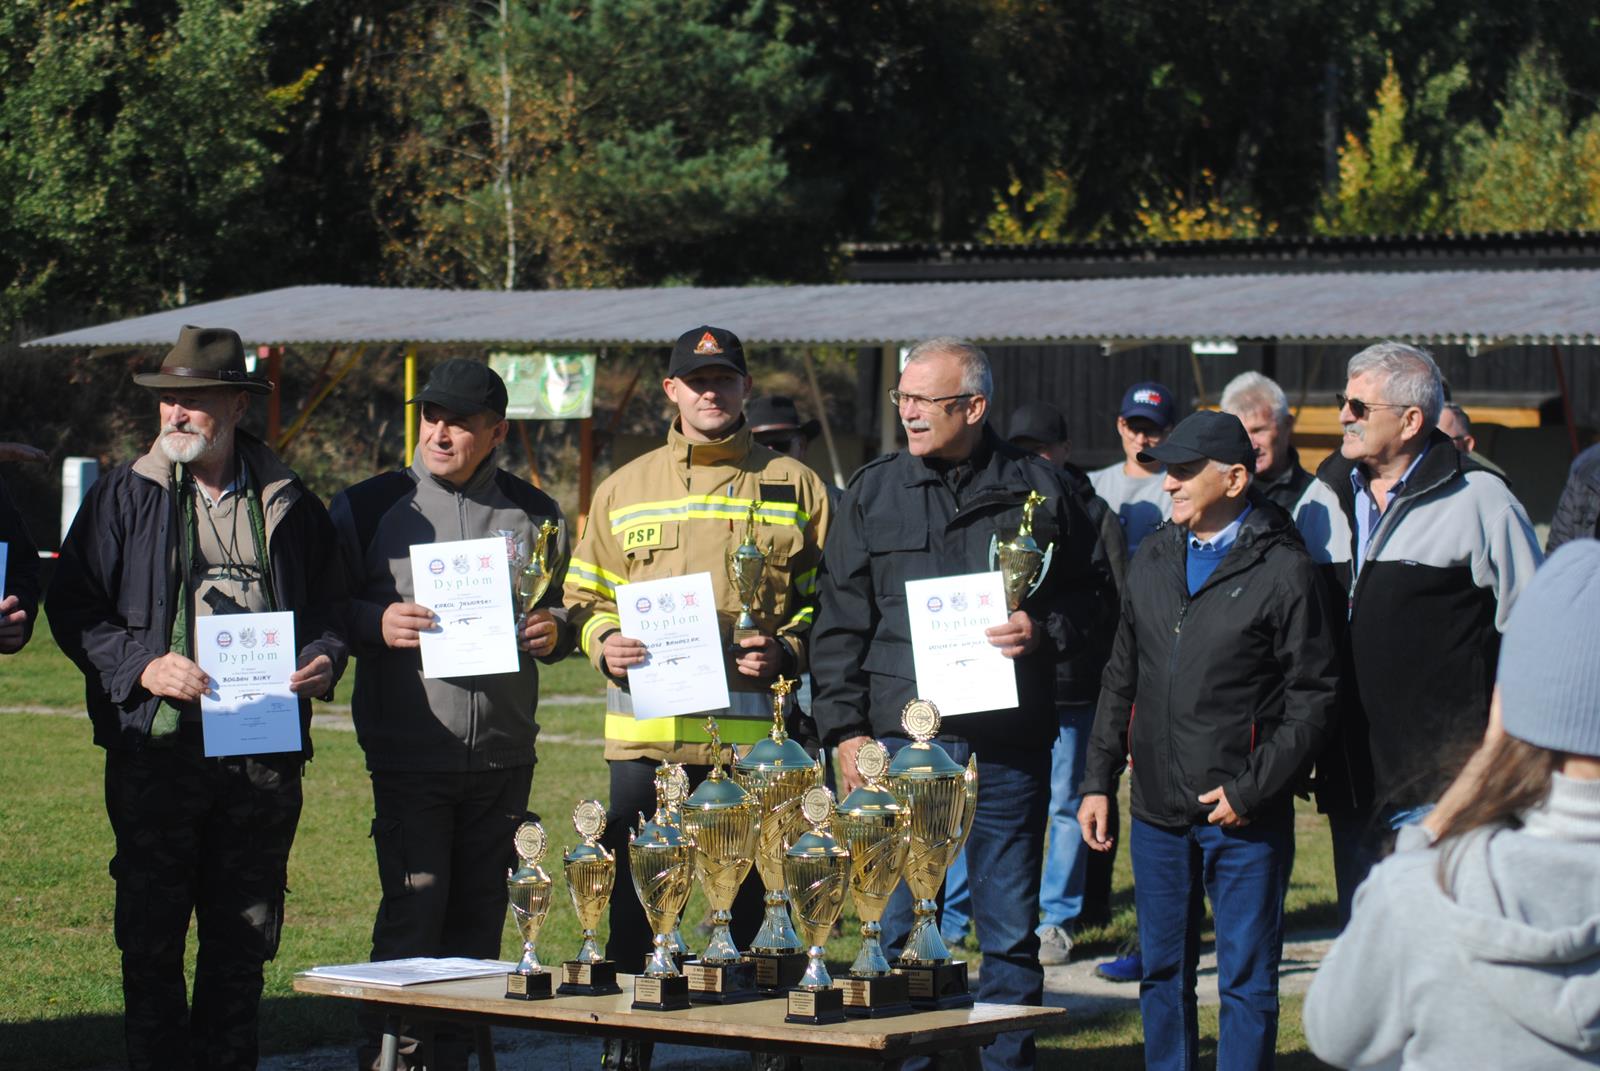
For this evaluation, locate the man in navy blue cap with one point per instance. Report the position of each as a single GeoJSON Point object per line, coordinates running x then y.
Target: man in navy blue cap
{"type": "Point", "coordinates": [1226, 645]}
{"type": "Point", "coordinates": [1134, 487]}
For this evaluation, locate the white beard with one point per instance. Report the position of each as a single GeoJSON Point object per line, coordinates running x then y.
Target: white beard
{"type": "Point", "coordinates": [184, 446]}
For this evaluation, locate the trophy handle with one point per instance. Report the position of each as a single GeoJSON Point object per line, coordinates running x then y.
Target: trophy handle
{"type": "Point", "coordinates": [968, 810]}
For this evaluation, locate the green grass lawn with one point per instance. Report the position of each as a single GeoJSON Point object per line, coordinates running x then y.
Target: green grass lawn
{"type": "Point", "coordinates": [60, 994]}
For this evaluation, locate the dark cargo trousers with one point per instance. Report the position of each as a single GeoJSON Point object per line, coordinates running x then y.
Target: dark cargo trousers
{"type": "Point", "coordinates": [209, 837]}
{"type": "Point", "coordinates": [443, 843]}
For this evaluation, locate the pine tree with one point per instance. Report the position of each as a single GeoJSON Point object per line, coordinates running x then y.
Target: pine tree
{"type": "Point", "coordinates": [1382, 189]}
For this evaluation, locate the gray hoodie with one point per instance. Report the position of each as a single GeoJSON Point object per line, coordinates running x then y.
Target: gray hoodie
{"type": "Point", "coordinates": [1505, 975]}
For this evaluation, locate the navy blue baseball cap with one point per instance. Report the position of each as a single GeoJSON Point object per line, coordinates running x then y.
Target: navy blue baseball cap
{"type": "Point", "coordinates": [1153, 401]}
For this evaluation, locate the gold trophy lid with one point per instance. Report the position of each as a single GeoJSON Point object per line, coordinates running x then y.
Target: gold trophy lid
{"type": "Point", "coordinates": [777, 751]}
{"type": "Point", "coordinates": [660, 830]}
{"type": "Point", "coordinates": [677, 786]}
{"type": "Point", "coordinates": [872, 762]}
{"type": "Point", "coordinates": [816, 806]}
{"type": "Point", "coordinates": [924, 759]}
{"type": "Point", "coordinates": [717, 792]}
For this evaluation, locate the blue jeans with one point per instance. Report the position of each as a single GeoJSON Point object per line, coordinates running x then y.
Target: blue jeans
{"type": "Point", "coordinates": [1355, 852]}
{"type": "Point", "coordinates": [1245, 873]}
{"type": "Point", "coordinates": [1004, 851]}
{"type": "Point", "coordinates": [1066, 856]}
{"type": "Point", "coordinates": [955, 914]}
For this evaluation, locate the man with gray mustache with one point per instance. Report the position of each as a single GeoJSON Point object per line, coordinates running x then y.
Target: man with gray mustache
{"type": "Point", "coordinates": [209, 521]}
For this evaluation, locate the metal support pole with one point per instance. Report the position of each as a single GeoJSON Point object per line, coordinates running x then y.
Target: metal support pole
{"type": "Point", "coordinates": [411, 418]}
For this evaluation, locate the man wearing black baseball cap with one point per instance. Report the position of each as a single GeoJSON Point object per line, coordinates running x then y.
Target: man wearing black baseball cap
{"type": "Point", "coordinates": [451, 758]}
{"type": "Point", "coordinates": [1226, 645]}
{"type": "Point", "coordinates": [679, 510]}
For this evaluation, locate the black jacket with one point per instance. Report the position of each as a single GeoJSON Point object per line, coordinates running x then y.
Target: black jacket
{"type": "Point", "coordinates": [1291, 483]}
{"type": "Point", "coordinates": [1078, 670]}
{"type": "Point", "coordinates": [1420, 622]}
{"type": "Point", "coordinates": [1577, 514]}
{"type": "Point", "coordinates": [22, 562]}
{"type": "Point", "coordinates": [900, 521]}
{"type": "Point", "coordinates": [117, 585]}
{"type": "Point", "coordinates": [1234, 686]}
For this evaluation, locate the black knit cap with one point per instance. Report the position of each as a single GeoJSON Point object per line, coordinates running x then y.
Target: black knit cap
{"type": "Point", "coordinates": [706, 347]}
{"type": "Point", "coordinates": [464, 387]}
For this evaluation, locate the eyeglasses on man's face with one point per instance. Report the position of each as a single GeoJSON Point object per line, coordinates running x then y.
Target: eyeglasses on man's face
{"type": "Point", "coordinates": [1359, 408]}
{"type": "Point", "coordinates": [924, 405]}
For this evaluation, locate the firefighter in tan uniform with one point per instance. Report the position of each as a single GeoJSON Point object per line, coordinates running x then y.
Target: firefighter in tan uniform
{"type": "Point", "coordinates": [678, 510]}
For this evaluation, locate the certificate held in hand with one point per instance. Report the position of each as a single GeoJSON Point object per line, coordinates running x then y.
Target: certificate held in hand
{"type": "Point", "coordinates": [958, 669]}
{"type": "Point", "coordinates": [467, 585]}
{"type": "Point", "coordinates": [684, 671]}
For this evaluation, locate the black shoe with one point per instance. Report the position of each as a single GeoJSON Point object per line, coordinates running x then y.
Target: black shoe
{"type": "Point", "coordinates": [624, 1055]}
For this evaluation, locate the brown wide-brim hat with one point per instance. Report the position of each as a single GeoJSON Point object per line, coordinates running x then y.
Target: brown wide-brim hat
{"type": "Point", "coordinates": [204, 357]}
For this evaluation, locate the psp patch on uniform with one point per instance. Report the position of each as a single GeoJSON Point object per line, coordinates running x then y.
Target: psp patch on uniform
{"type": "Point", "coordinates": [641, 535]}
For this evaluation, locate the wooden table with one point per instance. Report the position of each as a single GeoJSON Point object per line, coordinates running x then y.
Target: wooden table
{"type": "Point", "coordinates": [755, 1027]}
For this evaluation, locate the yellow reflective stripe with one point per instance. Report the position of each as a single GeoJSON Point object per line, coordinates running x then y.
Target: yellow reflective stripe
{"type": "Point", "coordinates": [804, 617]}
{"type": "Point", "coordinates": [588, 576]}
{"type": "Point", "coordinates": [687, 729]}
{"type": "Point", "coordinates": [706, 507]}
{"type": "Point", "coordinates": [594, 626]}
{"type": "Point", "coordinates": [806, 582]}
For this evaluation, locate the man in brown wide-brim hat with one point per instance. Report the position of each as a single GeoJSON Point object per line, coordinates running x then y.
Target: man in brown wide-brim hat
{"type": "Point", "coordinates": [209, 521]}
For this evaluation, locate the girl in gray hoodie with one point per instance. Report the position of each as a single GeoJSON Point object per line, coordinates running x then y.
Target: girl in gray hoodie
{"type": "Point", "coordinates": [1477, 944]}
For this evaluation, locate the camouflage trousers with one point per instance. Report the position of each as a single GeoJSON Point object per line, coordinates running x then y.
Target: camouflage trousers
{"type": "Point", "coordinates": [208, 837]}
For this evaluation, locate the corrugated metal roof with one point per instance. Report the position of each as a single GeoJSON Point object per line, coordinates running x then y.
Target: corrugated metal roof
{"type": "Point", "coordinates": [1441, 307]}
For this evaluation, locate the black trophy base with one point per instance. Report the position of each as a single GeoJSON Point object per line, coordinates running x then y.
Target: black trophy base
{"type": "Point", "coordinates": [660, 994]}
{"type": "Point", "coordinates": [528, 986]}
{"type": "Point", "coordinates": [777, 972]}
{"type": "Point", "coordinates": [815, 1007]}
{"type": "Point", "coordinates": [876, 997]}
{"type": "Point", "coordinates": [588, 979]}
{"type": "Point", "coordinates": [936, 986]}
{"type": "Point", "coordinates": [722, 983]}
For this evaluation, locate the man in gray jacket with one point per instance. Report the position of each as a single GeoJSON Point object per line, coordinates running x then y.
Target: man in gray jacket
{"type": "Point", "coordinates": [451, 758]}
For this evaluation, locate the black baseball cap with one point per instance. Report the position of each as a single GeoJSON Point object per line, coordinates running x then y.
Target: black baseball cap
{"type": "Point", "coordinates": [704, 347]}
{"type": "Point", "coordinates": [1205, 434]}
{"type": "Point", "coordinates": [1039, 422]}
{"type": "Point", "coordinates": [465, 388]}
{"type": "Point", "coordinates": [777, 412]}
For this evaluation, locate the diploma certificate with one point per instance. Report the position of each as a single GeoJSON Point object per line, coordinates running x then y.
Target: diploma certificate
{"type": "Point", "coordinates": [249, 658]}
{"type": "Point", "coordinates": [467, 585]}
{"type": "Point", "coordinates": [685, 670]}
{"type": "Point", "coordinates": [958, 669]}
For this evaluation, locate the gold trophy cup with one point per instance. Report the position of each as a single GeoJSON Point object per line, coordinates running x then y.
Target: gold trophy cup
{"type": "Point", "coordinates": [591, 872]}
{"type": "Point", "coordinates": [816, 873]}
{"type": "Point", "coordinates": [1020, 559]}
{"type": "Point", "coordinates": [877, 830]}
{"type": "Point", "coordinates": [528, 888]}
{"type": "Point", "coordinates": [661, 860]}
{"type": "Point", "coordinates": [941, 796]}
{"type": "Point", "coordinates": [776, 771]}
{"type": "Point", "coordinates": [721, 819]}
{"type": "Point", "coordinates": [677, 792]}
{"type": "Point", "coordinates": [531, 578]}
{"type": "Point", "coordinates": [747, 565]}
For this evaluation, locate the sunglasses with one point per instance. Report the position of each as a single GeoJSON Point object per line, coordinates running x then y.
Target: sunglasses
{"type": "Point", "coordinates": [1359, 408]}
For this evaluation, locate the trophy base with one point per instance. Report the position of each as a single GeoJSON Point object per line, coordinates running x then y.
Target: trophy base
{"type": "Point", "coordinates": [528, 986]}
{"type": "Point", "coordinates": [722, 983]}
{"type": "Point", "coordinates": [660, 994]}
{"type": "Point", "coordinates": [815, 1007]}
{"type": "Point", "coordinates": [936, 986]}
{"type": "Point", "coordinates": [588, 979]}
{"type": "Point", "coordinates": [875, 998]}
{"type": "Point", "coordinates": [777, 972]}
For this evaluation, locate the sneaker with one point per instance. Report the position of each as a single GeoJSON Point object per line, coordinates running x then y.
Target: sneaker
{"type": "Point", "coordinates": [1128, 967]}
{"type": "Point", "coordinates": [1055, 946]}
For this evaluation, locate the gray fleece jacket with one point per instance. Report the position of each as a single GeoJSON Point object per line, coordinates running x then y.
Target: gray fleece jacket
{"type": "Point", "coordinates": [1504, 975]}
{"type": "Point", "coordinates": [404, 720]}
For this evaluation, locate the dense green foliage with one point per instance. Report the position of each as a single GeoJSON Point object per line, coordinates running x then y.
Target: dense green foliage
{"type": "Point", "coordinates": [158, 152]}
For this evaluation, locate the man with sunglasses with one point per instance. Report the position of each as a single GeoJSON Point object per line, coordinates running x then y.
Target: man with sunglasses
{"type": "Point", "coordinates": [1426, 550]}
{"type": "Point", "coordinates": [934, 510]}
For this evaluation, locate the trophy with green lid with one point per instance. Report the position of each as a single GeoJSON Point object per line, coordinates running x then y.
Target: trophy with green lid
{"type": "Point", "coordinates": [941, 796]}
{"type": "Point", "coordinates": [816, 874]}
{"type": "Point", "coordinates": [877, 830]}
{"type": "Point", "coordinates": [720, 818]}
{"type": "Point", "coordinates": [529, 890]}
{"type": "Point", "coordinates": [776, 771]}
{"type": "Point", "coordinates": [591, 871]}
{"type": "Point", "coordinates": [661, 860]}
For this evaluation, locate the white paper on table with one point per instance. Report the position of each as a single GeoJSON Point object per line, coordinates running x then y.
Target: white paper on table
{"type": "Point", "coordinates": [413, 971]}
{"type": "Point", "coordinates": [467, 585]}
{"type": "Point", "coordinates": [958, 669]}
{"type": "Point", "coordinates": [249, 658]}
{"type": "Point", "coordinates": [684, 671]}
